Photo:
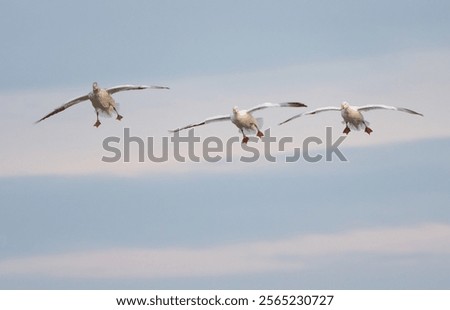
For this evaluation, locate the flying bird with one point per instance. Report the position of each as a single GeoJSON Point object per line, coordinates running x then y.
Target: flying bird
{"type": "Point", "coordinates": [101, 100]}
{"type": "Point", "coordinates": [244, 119]}
{"type": "Point", "coordinates": [352, 115]}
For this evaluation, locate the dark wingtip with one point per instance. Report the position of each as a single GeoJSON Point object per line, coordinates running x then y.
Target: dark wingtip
{"type": "Point", "coordinates": [159, 87]}
{"type": "Point", "coordinates": [413, 112]}
{"type": "Point", "coordinates": [40, 120]}
{"type": "Point", "coordinates": [297, 104]}
{"type": "Point", "coordinates": [285, 121]}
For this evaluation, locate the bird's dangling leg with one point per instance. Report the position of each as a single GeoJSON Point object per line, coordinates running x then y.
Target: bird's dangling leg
{"type": "Point", "coordinates": [119, 117]}
{"type": "Point", "coordinates": [97, 123]}
{"type": "Point", "coordinates": [259, 132]}
{"type": "Point", "coordinates": [367, 129]}
{"type": "Point", "coordinates": [346, 129]}
{"type": "Point", "coordinates": [245, 138]}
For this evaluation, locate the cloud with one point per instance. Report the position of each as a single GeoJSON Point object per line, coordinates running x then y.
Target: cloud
{"type": "Point", "coordinates": [297, 253]}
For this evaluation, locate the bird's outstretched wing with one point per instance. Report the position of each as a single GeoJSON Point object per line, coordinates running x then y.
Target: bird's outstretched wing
{"type": "Point", "coordinates": [65, 106]}
{"type": "Point", "coordinates": [276, 105]}
{"type": "Point", "coordinates": [119, 88]}
{"type": "Point", "coordinates": [319, 110]}
{"type": "Point", "coordinates": [385, 107]}
{"type": "Point", "coordinates": [206, 121]}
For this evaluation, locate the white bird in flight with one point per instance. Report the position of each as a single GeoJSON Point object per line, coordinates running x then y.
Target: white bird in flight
{"type": "Point", "coordinates": [352, 115]}
{"type": "Point", "coordinates": [243, 119]}
{"type": "Point", "coordinates": [101, 100]}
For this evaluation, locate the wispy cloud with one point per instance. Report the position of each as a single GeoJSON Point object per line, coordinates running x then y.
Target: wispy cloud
{"type": "Point", "coordinates": [296, 253]}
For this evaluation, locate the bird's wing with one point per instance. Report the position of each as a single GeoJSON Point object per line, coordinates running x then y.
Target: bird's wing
{"type": "Point", "coordinates": [276, 105]}
{"type": "Point", "coordinates": [324, 109]}
{"type": "Point", "coordinates": [65, 106]}
{"type": "Point", "coordinates": [385, 107]}
{"type": "Point", "coordinates": [119, 88]}
{"type": "Point", "coordinates": [206, 121]}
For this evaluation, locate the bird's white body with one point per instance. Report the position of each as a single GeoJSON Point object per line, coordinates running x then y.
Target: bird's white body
{"type": "Point", "coordinates": [244, 120]}
{"type": "Point", "coordinates": [102, 101]}
{"type": "Point", "coordinates": [352, 117]}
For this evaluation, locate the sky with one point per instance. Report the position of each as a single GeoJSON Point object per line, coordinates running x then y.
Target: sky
{"type": "Point", "coordinates": [71, 220]}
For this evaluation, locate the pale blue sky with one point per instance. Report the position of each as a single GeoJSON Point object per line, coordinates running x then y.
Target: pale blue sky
{"type": "Point", "coordinates": [67, 43]}
{"type": "Point", "coordinates": [380, 220]}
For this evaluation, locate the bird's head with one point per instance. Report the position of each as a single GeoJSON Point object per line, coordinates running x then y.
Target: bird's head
{"type": "Point", "coordinates": [235, 110]}
{"type": "Point", "coordinates": [344, 105]}
{"type": "Point", "coordinates": [95, 86]}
